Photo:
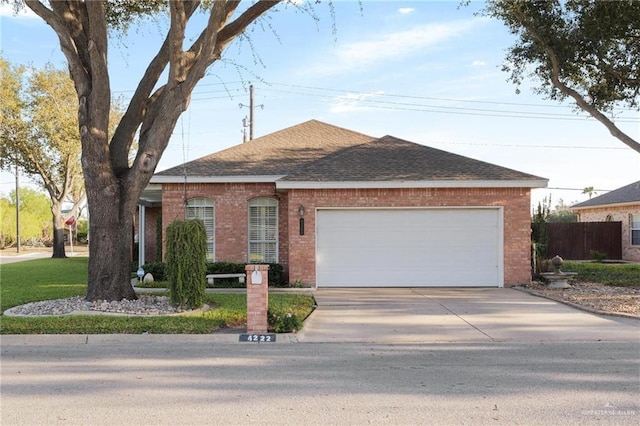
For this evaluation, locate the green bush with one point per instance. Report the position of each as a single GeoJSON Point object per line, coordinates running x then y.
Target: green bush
{"type": "Point", "coordinates": [186, 262]}
{"type": "Point", "coordinates": [157, 269]}
{"type": "Point", "coordinates": [283, 322]}
{"type": "Point", "coordinates": [613, 274]}
{"type": "Point", "coordinates": [225, 268]}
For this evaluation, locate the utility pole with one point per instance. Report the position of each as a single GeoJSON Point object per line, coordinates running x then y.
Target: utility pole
{"type": "Point", "coordinates": [251, 112]}
{"type": "Point", "coordinates": [251, 115]}
{"type": "Point", "coordinates": [17, 208]}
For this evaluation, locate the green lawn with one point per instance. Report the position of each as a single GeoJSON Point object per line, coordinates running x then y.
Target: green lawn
{"type": "Point", "coordinates": [614, 274]}
{"type": "Point", "coordinates": [46, 279]}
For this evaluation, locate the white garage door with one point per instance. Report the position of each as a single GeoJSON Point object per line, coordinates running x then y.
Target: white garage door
{"type": "Point", "coordinates": [409, 247]}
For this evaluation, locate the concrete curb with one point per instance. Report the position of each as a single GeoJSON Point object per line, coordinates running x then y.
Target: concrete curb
{"type": "Point", "coordinates": [576, 305]}
{"type": "Point", "coordinates": [109, 339]}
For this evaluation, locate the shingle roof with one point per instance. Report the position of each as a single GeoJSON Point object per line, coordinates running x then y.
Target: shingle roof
{"type": "Point", "coordinates": [393, 159]}
{"type": "Point", "coordinates": [277, 153]}
{"type": "Point", "coordinates": [626, 194]}
{"type": "Point", "coordinates": [318, 152]}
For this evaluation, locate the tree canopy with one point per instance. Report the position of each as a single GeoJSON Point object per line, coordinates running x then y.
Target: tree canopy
{"type": "Point", "coordinates": [35, 217]}
{"type": "Point", "coordinates": [587, 50]}
{"type": "Point", "coordinates": [39, 134]}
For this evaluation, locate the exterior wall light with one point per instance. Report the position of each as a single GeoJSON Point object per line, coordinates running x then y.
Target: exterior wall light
{"type": "Point", "coordinates": [301, 210]}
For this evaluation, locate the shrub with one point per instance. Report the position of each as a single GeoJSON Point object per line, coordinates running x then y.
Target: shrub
{"type": "Point", "coordinates": [157, 269]}
{"type": "Point", "coordinates": [225, 268]}
{"type": "Point", "coordinates": [598, 256]}
{"type": "Point", "coordinates": [283, 322]}
{"type": "Point", "coordinates": [275, 275]}
{"type": "Point", "coordinates": [186, 262]}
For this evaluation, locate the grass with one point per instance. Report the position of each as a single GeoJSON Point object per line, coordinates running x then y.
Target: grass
{"type": "Point", "coordinates": [46, 279]}
{"type": "Point", "coordinates": [613, 274]}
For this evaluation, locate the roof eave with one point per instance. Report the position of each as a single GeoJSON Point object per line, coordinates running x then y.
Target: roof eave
{"type": "Point", "coordinates": [160, 179]}
{"type": "Point", "coordinates": [605, 206]}
{"type": "Point", "coordinates": [539, 183]}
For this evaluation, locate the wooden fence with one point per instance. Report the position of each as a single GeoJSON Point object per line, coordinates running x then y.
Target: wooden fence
{"type": "Point", "coordinates": [576, 241]}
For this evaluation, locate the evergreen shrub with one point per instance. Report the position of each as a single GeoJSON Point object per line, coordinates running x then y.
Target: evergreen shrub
{"type": "Point", "coordinates": [186, 262]}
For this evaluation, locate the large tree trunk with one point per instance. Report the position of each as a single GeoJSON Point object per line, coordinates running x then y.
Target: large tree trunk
{"type": "Point", "coordinates": [110, 249]}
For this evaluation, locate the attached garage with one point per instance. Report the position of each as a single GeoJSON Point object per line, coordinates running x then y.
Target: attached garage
{"type": "Point", "coordinates": [410, 247]}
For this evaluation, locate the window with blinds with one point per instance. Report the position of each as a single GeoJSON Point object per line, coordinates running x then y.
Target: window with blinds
{"type": "Point", "coordinates": [263, 230]}
{"type": "Point", "coordinates": [635, 229]}
{"type": "Point", "coordinates": [203, 209]}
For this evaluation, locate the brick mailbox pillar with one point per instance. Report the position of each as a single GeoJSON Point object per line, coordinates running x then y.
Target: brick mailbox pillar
{"type": "Point", "coordinates": [257, 298]}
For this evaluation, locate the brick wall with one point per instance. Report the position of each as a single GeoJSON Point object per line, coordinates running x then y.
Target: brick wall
{"type": "Point", "coordinates": [297, 253]}
{"type": "Point", "coordinates": [617, 214]}
{"type": "Point", "coordinates": [231, 215]}
{"type": "Point", "coordinates": [517, 220]}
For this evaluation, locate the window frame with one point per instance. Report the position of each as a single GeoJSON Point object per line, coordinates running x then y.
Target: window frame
{"type": "Point", "coordinates": [634, 227]}
{"type": "Point", "coordinates": [199, 206]}
{"type": "Point", "coordinates": [252, 243]}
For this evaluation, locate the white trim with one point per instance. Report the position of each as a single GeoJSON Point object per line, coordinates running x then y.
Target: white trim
{"type": "Point", "coordinates": [216, 179]}
{"type": "Point", "coordinates": [142, 218]}
{"type": "Point", "coordinates": [542, 183]}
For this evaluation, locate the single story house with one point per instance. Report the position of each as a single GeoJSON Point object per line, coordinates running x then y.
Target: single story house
{"type": "Point", "coordinates": [340, 208]}
{"type": "Point", "coordinates": [620, 205]}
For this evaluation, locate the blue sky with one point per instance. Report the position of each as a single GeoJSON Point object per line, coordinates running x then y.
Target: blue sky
{"type": "Point", "coordinates": [428, 72]}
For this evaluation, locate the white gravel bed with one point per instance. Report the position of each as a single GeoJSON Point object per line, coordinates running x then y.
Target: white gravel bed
{"type": "Point", "coordinates": [144, 305]}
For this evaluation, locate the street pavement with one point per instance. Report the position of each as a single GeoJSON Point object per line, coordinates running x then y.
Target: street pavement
{"type": "Point", "coordinates": [30, 255]}
{"type": "Point", "coordinates": [187, 381]}
{"type": "Point", "coordinates": [375, 356]}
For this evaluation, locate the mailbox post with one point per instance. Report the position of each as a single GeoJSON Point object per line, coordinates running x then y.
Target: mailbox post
{"type": "Point", "coordinates": [257, 298]}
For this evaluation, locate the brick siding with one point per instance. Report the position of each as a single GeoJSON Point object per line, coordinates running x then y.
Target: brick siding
{"type": "Point", "coordinates": [297, 253]}
{"type": "Point", "coordinates": [517, 220]}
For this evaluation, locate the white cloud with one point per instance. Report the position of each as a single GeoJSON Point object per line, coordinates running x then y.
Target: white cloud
{"type": "Point", "coordinates": [406, 10]}
{"type": "Point", "coordinates": [478, 63]}
{"type": "Point", "coordinates": [8, 11]}
{"type": "Point", "coordinates": [394, 46]}
{"type": "Point", "coordinates": [352, 102]}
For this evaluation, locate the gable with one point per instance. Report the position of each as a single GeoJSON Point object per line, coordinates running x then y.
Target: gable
{"type": "Point", "coordinates": [275, 154]}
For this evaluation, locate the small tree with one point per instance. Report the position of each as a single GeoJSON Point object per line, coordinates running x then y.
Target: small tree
{"type": "Point", "coordinates": [540, 234]}
{"type": "Point", "coordinates": [186, 262]}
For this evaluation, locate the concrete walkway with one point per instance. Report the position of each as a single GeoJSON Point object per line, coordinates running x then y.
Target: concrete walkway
{"type": "Point", "coordinates": [424, 315]}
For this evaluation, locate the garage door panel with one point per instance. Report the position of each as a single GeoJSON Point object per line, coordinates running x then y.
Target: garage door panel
{"type": "Point", "coordinates": [408, 247]}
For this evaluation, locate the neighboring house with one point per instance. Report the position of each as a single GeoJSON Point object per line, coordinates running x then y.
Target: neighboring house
{"type": "Point", "coordinates": [340, 208]}
{"type": "Point", "coordinates": [620, 205]}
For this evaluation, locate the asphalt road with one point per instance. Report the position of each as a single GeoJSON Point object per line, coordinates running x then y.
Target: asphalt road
{"type": "Point", "coordinates": [189, 381]}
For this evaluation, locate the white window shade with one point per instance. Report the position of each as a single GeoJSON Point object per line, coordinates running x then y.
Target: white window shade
{"type": "Point", "coordinates": [203, 209]}
{"type": "Point", "coordinates": [263, 230]}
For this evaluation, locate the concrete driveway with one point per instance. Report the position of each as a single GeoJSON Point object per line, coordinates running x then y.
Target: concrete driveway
{"type": "Point", "coordinates": [423, 315]}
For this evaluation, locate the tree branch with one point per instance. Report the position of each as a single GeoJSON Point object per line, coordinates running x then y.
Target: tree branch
{"type": "Point", "coordinates": [123, 136]}
{"type": "Point", "coordinates": [566, 90]}
{"type": "Point", "coordinates": [67, 44]}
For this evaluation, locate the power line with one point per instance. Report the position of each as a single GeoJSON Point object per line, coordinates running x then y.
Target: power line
{"type": "Point", "coordinates": [380, 103]}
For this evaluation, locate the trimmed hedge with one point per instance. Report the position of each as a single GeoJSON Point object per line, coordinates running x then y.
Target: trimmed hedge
{"type": "Point", "coordinates": [158, 270]}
